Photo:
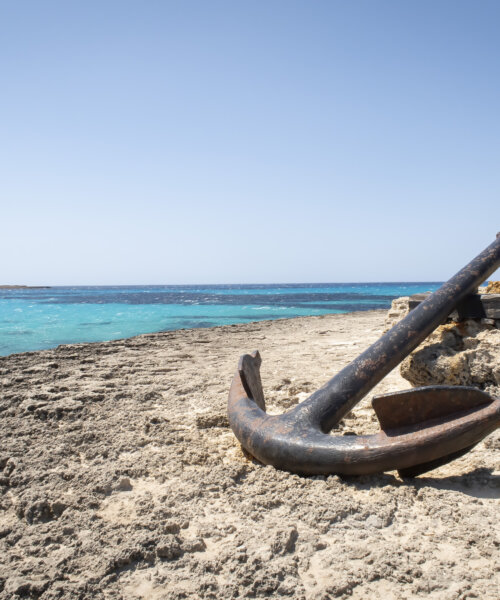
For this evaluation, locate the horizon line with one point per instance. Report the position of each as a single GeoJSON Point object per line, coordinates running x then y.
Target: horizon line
{"type": "Point", "coordinates": [273, 283]}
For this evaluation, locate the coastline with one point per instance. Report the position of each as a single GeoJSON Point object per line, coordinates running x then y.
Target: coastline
{"type": "Point", "coordinates": [382, 311]}
{"type": "Point", "coordinates": [120, 469]}
{"type": "Point", "coordinates": [45, 318]}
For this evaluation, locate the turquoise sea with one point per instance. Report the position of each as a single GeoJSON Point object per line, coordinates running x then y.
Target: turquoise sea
{"type": "Point", "coordinates": [36, 319]}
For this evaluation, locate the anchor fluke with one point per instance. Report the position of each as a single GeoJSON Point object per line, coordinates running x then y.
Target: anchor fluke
{"type": "Point", "coordinates": [443, 407]}
{"type": "Point", "coordinates": [249, 370]}
{"type": "Point", "coordinates": [419, 405]}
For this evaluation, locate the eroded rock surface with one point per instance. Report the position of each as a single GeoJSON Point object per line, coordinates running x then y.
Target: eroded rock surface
{"type": "Point", "coordinates": [493, 287]}
{"type": "Point", "coordinates": [456, 353]}
{"type": "Point", "coordinates": [399, 309]}
{"type": "Point", "coordinates": [465, 353]}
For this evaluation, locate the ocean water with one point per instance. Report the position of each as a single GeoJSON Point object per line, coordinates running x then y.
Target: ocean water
{"type": "Point", "coordinates": [36, 319]}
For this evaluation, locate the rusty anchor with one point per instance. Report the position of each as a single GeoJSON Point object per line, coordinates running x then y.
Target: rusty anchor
{"type": "Point", "coordinates": [421, 428]}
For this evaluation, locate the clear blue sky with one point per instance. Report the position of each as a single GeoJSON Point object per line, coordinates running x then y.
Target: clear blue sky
{"type": "Point", "coordinates": [247, 141]}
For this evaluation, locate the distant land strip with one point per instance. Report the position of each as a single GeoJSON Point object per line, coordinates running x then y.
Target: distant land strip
{"type": "Point", "coordinates": [24, 287]}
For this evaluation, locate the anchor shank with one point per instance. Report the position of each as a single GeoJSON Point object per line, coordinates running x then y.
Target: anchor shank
{"type": "Point", "coordinates": [326, 407]}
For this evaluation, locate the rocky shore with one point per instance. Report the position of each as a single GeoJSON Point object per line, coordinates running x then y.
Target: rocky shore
{"type": "Point", "coordinates": [120, 479]}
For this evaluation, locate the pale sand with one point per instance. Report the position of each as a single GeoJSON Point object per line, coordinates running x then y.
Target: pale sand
{"type": "Point", "coordinates": [121, 479]}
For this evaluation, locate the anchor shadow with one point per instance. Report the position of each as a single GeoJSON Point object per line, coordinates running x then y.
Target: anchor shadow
{"type": "Point", "coordinates": [479, 483]}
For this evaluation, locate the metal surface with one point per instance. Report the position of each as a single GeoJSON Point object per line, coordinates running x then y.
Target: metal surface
{"type": "Point", "coordinates": [298, 440]}
{"type": "Point", "coordinates": [474, 306]}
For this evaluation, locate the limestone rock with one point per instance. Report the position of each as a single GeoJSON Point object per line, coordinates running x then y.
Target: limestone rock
{"type": "Point", "coordinates": [493, 287]}
{"type": "Point", "coordinates": [456, 353]}
{"type": "Point", "coordinates": [463, 353]}
{"type": "Point", "coordinates": [399, 309]}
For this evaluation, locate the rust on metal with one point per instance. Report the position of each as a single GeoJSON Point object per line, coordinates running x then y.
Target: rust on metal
{"type": "Point", "coordinates": [420, 429]}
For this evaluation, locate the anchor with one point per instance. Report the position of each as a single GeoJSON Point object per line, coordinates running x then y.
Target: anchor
{"type": "Point", "coordinates": [421, 428]}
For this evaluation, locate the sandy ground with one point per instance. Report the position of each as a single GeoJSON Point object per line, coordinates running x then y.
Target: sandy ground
{"type": "Point", "coordinates": [119, 478]}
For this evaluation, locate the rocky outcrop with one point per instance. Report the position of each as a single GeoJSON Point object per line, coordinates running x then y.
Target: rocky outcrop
{"type": "Point", "coordinates": [466, 353]}
{"type": "Point", "coordinates": [456, 353]}
{"type": "Point", "coordinates": [399, 309]}
{"type": "Point", "coordinates": [493, 287]}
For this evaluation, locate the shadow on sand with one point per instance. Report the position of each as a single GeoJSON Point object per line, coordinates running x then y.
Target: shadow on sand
{"type": "Point", "coordinates": [479, 483]}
